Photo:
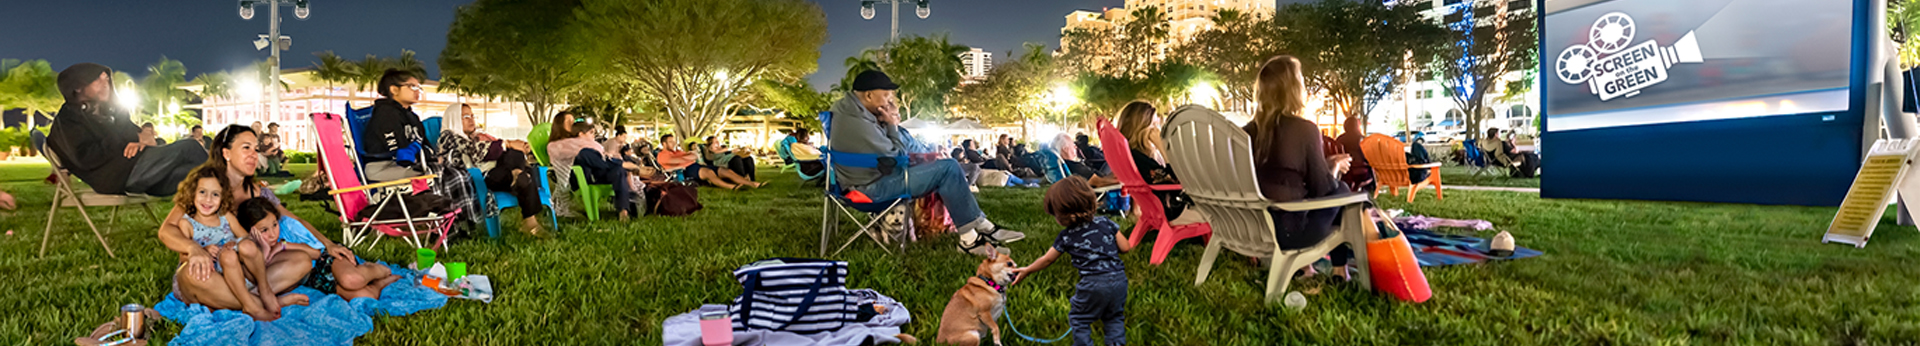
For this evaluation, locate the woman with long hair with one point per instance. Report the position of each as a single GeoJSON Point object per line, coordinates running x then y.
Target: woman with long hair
{"type": "Point", "coordinates": [1140, 124]}
{"type": "Point", "coordinates": [1288, 153]}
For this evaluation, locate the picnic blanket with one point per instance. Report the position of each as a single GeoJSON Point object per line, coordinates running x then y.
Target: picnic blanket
{"type": "Point", "coordinates": [684, 329]}
{"type": "Point", "coordinates": [1435, 249]}
{"type": "Point", "coordinates": [326, 320]}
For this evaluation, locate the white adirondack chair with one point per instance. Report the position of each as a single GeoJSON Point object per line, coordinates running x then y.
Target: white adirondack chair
{"type": "Point", "coordinates": [1214, 159]}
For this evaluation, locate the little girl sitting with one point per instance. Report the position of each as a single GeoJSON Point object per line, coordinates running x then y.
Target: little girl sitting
{"type": "Point", "coordinates": [211, 225]}
{"type": "Point", "coordinates": [1093, 241]}
{"type": "Point", "coordinates": [345, 274]}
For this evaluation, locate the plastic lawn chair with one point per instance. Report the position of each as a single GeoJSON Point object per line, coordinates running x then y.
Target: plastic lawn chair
{"type": "Point", "coordinates": [855, 205]}
{"type": "Point", "coordinates": [1390, 169]}
{"type": "Point", "coordinates": [538, 140]}
{"type": "Point", "coordinates": [503, 200]}
{"type": "Point", "coordinates": [1214, 159]}
{"type": "Point", "coordinates": [1152, 212]}
{"type": "Point", "coordinates": [590, 195]}
{"type": "Point", "coordinates": [351, 194]}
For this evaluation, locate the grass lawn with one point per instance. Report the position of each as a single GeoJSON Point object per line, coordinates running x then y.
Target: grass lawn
{"type": "Point", "coordinates": [1463, 176]}
{"type": "Point", "coordinates": [1614, 273]}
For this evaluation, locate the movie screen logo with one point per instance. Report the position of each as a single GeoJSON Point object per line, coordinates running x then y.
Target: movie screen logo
{"type": "Point", "coordinates": [1612, 69]}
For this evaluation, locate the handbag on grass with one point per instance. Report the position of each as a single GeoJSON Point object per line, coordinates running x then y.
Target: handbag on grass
{"type": "Point", "coordinates": [798, 295]}
{"type": "Point", "coordinates": [1394, 270]}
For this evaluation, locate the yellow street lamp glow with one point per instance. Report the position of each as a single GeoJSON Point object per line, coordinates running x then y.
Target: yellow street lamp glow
{"type": "Point", "coordinates": [1203, 93]}
{"type": "Point", "coordinates": [127, 98]}
{"type": "Point", "coordinates": [1061, 97]}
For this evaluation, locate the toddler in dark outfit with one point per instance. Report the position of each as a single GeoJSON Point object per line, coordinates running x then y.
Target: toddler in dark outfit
{"type": "Point", "coordinates": [1093, 242]}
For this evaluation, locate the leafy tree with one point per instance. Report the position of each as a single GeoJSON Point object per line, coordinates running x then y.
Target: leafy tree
{"type": "Point", "coordinates": [1160, 83]}
{"type": "Point", "coordinates": [697, 56]}
{"type": "Point", "coordinates": [516, 49]}
{"type": "Point", "coordinates": [926, 68]}
{"type": "Point", "coordinates": [1233, 50]}
{"type": "Point", "coordinates": [1013, 92]}
{"type": "Point", "coordinates": [217, 84]}
{"type": "Point", "coordinates": [797, 99]}
{"type": "Point", "coordinates": [1356, 52]}
{"type": "Point", "coordinates": [160, 92]}
{"type": "Point", "coordinates": [1484, 52]}
{"type": "Point", "coordinates": [30, 85]}
{"type": "Point", "coordinates": [1130, 48]}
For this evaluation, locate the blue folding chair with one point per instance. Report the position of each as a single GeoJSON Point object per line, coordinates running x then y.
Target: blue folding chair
{"type": "Point", "coordinates": [784, 148]}
{"type": "Point", "coordinates": [433, 131]}
{"type": "Point", "coordinates": [1475, 159]}
{"type": "Point", "coordinates": [503, 200]}
{"type": "Point", "coordinates": [853, 204]}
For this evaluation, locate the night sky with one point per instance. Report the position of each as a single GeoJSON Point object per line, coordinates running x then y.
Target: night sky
{"type": "Point", "coordinates": [208, 35]}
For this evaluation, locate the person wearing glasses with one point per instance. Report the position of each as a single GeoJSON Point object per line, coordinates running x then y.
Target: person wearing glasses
{"type": "Point", "coordinates": [395, 140]}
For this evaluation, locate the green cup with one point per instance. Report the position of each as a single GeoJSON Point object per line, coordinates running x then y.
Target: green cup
{"type": "Point", "coordinates": [426, 260]}
{"type": "Point", "coordinates": [455, 270]}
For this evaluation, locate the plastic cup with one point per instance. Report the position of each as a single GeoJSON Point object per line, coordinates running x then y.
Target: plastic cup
{"type": "Point", "coordinates": [455, 270]}
{"type": "Point", "coordinates": [426, 259]}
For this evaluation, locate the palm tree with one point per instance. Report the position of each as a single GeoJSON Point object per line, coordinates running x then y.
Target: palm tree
{"type": "Point", "coordinates": [161, 87]}
{"type": "Point", "coordinates": [217, 84]}
{"type": "Point", "coordinates": [334, 69]}
{"type": "Point", "coordinates": [408, 62]}
{"type": "Point", "coordinates": [30, 85]}
{"type": "Point", "coordinates": [370, 70]}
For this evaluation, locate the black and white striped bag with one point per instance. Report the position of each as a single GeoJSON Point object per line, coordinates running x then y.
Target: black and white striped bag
{"type": "Point", "coordinates": [796, 295]}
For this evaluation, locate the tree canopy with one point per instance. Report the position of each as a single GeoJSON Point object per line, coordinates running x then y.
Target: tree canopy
{"type": "Point", "coordinates": [926, 68]}
{"type": "Point", "coordinates": [517, 49]}
{"type": "Point", "coordinates": [1356, 51]}
{"type": "Point", "coordinates": [696, 57]}
{"type": "Point", "coordinates": [1482, 53]}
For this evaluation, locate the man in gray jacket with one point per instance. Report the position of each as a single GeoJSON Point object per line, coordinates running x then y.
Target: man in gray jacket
{"type": "Point", "coordinates": [867, 122]}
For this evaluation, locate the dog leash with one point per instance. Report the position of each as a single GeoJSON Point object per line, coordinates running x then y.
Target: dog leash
{"type": "Point", "coordinates": [1016, 330]}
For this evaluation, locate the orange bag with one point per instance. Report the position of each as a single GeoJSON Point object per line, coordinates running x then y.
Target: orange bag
{"type": "Point", "coordinates": [1394, 269]}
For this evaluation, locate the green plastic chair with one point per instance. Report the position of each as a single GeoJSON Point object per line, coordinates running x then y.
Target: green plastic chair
{"type": "Point", "coordinates": [591, 196]}
{"type": "Point", "coordinates": [538, 140]}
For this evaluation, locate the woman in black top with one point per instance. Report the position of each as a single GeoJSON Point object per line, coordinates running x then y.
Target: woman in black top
{"type": "Point", "coordinates": [1288, 153]}
{"type": "Point", "coordinates": [1141, 125]}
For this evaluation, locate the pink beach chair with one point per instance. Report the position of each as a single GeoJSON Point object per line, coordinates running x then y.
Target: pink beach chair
{"type": "Point", "coordinates": [352, 194]}
{"type": "Point", "coordinates": [1152, 213]}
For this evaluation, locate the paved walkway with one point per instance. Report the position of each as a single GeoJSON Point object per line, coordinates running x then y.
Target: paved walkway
{"type": "Point", "coordinates": [1492, 188]}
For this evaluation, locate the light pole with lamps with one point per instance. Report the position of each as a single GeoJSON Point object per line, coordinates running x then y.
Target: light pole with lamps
{"type": "Point", "coordinates": [920, 9]}
{"type": "Point", "coordinates": [273, 39]}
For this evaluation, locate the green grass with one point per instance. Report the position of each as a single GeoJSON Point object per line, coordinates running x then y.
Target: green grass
{"type": "Point", "coordinates": [1463, 176]}
{"type": "Point", "coordinates": [1615, 272]}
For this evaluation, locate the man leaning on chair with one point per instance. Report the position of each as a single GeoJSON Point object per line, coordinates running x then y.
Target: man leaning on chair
{"type": "Point", "coordinates": [100, 144]}
{"type": "Point", "coordinates": [866, 121]}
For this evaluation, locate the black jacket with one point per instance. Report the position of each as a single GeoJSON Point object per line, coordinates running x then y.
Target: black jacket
{"type": "Point", "coordinates": [392, 128]}
{"type": "Point", "coordinates": [91, 142]}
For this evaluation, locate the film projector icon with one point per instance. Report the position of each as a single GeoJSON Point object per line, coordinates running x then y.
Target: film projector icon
{"type": "Point", "coordinates": [1610, 34]}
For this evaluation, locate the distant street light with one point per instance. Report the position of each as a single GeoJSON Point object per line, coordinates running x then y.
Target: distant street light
{"type": "Point", "coordinates": [280, 42]}
{"type": "Point", "coordinates": [920, 8]}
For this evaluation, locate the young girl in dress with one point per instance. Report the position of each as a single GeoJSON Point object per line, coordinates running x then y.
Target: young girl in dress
{"type": "Point", "coordinates": [211, 224]}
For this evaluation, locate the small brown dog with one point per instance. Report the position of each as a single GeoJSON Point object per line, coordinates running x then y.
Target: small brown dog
{"type": "Point", "coordinates": [970, 315]}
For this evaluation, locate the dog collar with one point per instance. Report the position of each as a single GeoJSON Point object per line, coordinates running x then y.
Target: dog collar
{"type": "Point", "coordinates": [996, 286]}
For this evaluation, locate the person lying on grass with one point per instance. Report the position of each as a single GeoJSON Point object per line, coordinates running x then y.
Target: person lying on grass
{"type": "Point", "coordinates": [211, 226]}
{"type": "Point", "coordinates": [339, 272]}
{"type": "Point", "coordinates": [1093, 241]}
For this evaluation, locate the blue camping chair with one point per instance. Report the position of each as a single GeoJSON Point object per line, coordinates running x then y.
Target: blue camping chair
{"type": "Point", "coordinates": [433, 131]}
{"type": "Point", "coordinates": [873, 208]}
{"type": "Point", "coordinates": [1049, 160]}
{"type": "Point", "coordinates": [503, 200]}
{"type": "Point", "coordinates": [1475, 159]}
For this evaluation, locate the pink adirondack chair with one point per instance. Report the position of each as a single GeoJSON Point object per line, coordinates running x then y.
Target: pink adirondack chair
{"type": "Point", "coordinates": [1152, 212]}
{"type": "Point", "coordinates": [351, 194]}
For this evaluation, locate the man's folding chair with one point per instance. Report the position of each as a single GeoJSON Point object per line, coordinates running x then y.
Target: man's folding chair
{"type": "Point", "coordinates": [64, 196]}
{"type": "Point", "coordinates": [866, 211]}
{"type": "Point", "coordinates": [352, 194]}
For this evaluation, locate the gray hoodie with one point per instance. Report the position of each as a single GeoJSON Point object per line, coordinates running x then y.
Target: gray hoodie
{"type": "Point", "coordinates": [856, 130]}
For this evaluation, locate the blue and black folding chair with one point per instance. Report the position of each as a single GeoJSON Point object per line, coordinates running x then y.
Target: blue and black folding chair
{"type": "Point", "coordinates": [866, 211]}
{"type": "Point", "coordinates": [1475, 159]}
{"type": "Point", "coordinates": [784, 148]}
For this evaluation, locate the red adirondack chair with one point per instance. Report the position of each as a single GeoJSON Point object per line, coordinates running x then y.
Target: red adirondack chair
{"type": "Point", "coordinates": [1152, 212]}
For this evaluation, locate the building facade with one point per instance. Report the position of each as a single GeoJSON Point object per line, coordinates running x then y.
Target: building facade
{"type": "Point", "coordinates": [975, 64]}
{"type": "Point", "coordinates": [1185, 18]}
{"type": "Point", "coordinates": [1427, 103]}
{"type": "Point", "coordinates": [304, 94]}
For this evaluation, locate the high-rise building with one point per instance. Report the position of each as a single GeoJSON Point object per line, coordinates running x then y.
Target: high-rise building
{"type": "Point", "coordinates": [1185, 18]}
{"type": "Point", "coordinates": [976, 63]}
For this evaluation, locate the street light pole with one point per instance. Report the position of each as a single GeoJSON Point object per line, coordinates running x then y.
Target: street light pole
{"type": "Point", "coordinates": [273, 45]}
{"type": "Point", "coordinates": [866, 11]}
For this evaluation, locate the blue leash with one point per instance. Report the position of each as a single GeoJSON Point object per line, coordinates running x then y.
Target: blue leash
{"type": "Point", "coordinates": [1016, 330]}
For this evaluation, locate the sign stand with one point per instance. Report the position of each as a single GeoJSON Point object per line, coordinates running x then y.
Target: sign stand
{"type": "Point", "coordinates": [1884, 174]}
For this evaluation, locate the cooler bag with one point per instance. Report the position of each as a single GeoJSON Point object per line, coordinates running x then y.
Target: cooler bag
{"type": "Point", "coordinates": [799, 295]}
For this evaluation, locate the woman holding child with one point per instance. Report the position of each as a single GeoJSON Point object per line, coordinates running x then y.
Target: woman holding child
{"type": "Point", "coordinates": [213, 241]}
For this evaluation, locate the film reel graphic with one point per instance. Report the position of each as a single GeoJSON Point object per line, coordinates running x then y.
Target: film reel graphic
{"type": "Point", "coordinates": [1611, 33]}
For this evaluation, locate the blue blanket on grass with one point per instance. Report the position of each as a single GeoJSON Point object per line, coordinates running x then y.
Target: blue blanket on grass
{"type": "Point", "coordinates": [327, 320]}
{"type": "Point", "coordinates": [1436, 249]}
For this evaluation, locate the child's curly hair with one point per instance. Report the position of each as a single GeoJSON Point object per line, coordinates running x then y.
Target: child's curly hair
{"type": "Point", "coordinates": [184, 198]}
{"type": "Point", "coordinates": [1071, 201]}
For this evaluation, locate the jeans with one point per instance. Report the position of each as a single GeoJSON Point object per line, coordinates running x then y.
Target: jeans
{"type": "Point", "coordinates": [1100, 298]}
{"type": "Point", "coordinates": [622, 188]}
{"type": "Point", "coordinates": [524, 186]}
{"type": "Point", "coordinates": [941, 177]}
{"type": "Point", "coordinates": [157, 171]}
